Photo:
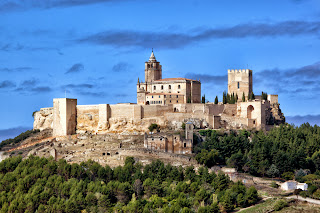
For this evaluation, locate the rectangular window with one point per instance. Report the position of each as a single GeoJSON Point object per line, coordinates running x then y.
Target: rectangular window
{"type": "Point", "coordinates": [164, 95]}
{"type": "Point", "coordinates": [184, 145]}
{"type": "Point", "coordinates": [152, 96]}
{"type": "Point", "coordinates": [238, 85]}
{"type": "Point", "coordinates": [177, 96]}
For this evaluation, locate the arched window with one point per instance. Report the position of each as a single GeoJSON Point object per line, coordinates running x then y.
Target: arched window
{"type": "Point", "coordinates": [161, 86]}
{"type": "Point", "coordinates": [178, 86]}
{"type": "Point", "coordinates": [169, 86]}
{"type": "Point", "coordinates": [154, 87]}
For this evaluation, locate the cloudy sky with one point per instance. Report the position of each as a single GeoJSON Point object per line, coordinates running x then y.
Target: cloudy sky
{"type": "Point", "coordinates": [94, 50]}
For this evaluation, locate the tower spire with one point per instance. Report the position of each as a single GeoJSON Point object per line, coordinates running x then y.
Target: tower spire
{"type": "Point", "coordinates": [152, 57]}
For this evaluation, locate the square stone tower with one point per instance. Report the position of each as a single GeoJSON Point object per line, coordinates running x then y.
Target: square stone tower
{"type": "Point", "coordinates": [239, 82]}
{"type": "Point", "coordinates": [64, 116]}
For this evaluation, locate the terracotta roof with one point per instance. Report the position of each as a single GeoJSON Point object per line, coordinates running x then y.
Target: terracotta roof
{"type": "Point", "coordinates": [164, 93]}
{"type": "Point", "coordinates": [175, 79]}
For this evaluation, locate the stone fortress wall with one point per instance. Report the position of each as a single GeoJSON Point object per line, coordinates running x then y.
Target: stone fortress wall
{"type": "Point", "coordinates": [68, 118]}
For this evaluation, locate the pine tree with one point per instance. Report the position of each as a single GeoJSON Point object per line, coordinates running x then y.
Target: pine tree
{"type": "Point", "coordinates": [236, 97]}
{"type": "Point", "coordinates": [243, 97]}
{"type": "Point", "coordinates": [216, 101]}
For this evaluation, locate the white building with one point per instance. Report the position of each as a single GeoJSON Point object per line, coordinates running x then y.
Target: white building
{"type": "Point", "coordinates": [292, 185]}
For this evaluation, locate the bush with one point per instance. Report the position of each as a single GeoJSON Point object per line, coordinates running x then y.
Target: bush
{"type": "Point", "coordinates": [153, 127]}
{"type": "Point", "coordinates": [274, 185]}
{"type": "Point", "coordinates": [280, 204]}
{"type": "Point", "coordinates": [183, 125]}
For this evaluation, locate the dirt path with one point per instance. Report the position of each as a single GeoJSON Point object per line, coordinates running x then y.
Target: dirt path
{"type": "Point", "coordinates": [309, 200]}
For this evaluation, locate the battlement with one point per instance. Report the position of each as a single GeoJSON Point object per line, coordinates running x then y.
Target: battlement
{"type": "Point", "coordinates": [239, 71]}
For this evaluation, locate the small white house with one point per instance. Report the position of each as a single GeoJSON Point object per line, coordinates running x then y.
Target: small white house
{"type": "Point", "coordinates": [289, 185]}
{"type": "Point", "coordinates": [292, 185]}
{"type": "Point", "coordinates": [302, 186]}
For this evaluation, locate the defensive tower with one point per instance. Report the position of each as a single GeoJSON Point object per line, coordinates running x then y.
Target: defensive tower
{"type": "Point", "coordinates": [239, 82]}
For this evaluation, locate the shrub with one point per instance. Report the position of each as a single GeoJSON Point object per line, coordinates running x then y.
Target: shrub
{"type": "Point", "coordinates": [153, 127]}
{"type": "Point", "coordinates": [280, 204]}
{"type": "Point", "coordinates": [183, 125]}
{"type": "Point", "coordinates": [274, 185]}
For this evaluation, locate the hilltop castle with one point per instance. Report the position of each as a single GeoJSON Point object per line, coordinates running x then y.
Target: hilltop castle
{"type": "Point", "coordinates": [169, 102]}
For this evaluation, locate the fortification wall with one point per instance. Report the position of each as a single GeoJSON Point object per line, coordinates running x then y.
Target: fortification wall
{"type": "Point", "coordinates": [87, 118]}
{"type": "Point", "coordinates": [135, 119]}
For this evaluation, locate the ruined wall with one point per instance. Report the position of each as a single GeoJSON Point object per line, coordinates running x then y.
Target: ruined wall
{"type": "Point", "coordinates": [43, 119]}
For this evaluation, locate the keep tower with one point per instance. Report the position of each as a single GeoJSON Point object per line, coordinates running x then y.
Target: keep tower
{"type": "Point", "coordinates": [239, 82]}
{"type": "Point", "coordinates": [153, 69]}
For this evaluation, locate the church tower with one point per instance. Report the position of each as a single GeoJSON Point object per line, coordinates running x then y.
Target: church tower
{"type": "Point", "coordinates": [153, 69]}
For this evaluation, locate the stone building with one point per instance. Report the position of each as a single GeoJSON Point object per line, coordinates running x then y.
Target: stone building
{"type": "Point", "coordinates": [158, 91]}
{"type": "Point", "coordinates": [240, 82]}
{"type": "Point", "coordinates": [173, 143]}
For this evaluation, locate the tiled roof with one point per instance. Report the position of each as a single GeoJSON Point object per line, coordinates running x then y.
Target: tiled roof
{"type": "Point", "coordinates": [175, 79]}
{"type": "Point", "coordinates": [157, 93]}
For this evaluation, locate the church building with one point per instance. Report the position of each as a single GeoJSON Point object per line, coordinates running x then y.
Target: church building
{"type": "Point", "coordinates": [158, 91]}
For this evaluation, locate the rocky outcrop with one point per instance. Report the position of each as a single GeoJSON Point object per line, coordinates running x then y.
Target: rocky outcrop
{"type": "Point", "coordinates": [43, 119]}
{"type": "Point", "coordinates": [277, 115]}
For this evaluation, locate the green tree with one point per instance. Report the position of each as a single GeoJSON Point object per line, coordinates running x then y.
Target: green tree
{"type": "Point", "coordinates": [153, 127]}
{"type": "Point", "coordinates": [216, 101]}
{"type": "Point", "coordinates": [243, 97]}
{"type": "Point", "coordinates": [203, 99]}
{"type": "Point", "coordinates": [273, 171]}
{"type": "Point", "coordinates": [224, 97]}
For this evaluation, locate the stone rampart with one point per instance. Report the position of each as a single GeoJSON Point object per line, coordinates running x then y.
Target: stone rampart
{"type": "Point", "coordinates": [135, 119]}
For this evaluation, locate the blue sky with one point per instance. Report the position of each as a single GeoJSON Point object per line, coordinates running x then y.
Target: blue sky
{"type": "Point", "coordinates": [96, 49]}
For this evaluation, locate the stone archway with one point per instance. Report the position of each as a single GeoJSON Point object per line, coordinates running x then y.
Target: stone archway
{"type": "Point", "coordinates": [249, 111]}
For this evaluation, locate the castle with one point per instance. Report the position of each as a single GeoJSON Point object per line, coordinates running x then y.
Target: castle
{"type": "Point", "coordinates": [168, 102]}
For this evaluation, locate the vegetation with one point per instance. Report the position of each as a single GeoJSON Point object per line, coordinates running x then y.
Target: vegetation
{"type": "Point", "coordinates": [203, 99]}
{"type": "Point", "coordinates": [19, 138]}
{"type": "Point", "coordinates": [229, 99]}
{"type": "Point", "coordinates": [280, 204]}
{"type": "Point", "coordinates": [251, 96]}
{"type": "Point", "coordinates": [286, 151]}
{"type": "Point", "coordinates": [243, 97]}
{"type": "Point", "coordinates": [264, 96]}
{"type": "Point", "coordinates": [153, 127]}
{"type": "Point", "coordinates": [44, 185]}
{"type": "Point", "coordinates": [216, 101]}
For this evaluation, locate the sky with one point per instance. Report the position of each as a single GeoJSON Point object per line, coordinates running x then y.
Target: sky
{"type": "Point", "coordinates": [94, 50]}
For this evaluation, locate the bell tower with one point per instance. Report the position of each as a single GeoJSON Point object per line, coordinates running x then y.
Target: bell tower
{"type": "Point", "coordinates": [153, 69]}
